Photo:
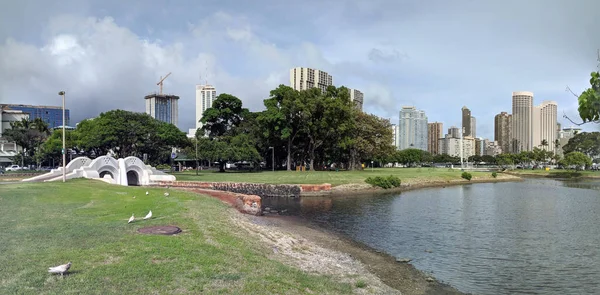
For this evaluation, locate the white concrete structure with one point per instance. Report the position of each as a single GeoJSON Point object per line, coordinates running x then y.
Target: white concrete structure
{"type": "Point", "coordinates": [395, 134]}
{"type": "Point", "coordinates": [412, 129]}
{"type": "Point", "coordinates": [522, 119]}
{"type": "Point", "coordinates": [306, 78]}
{"type": "Point", "coordinates": [127, 171]}
{"type": "Point", "coordinates": [357, 97]}
{"type": "Point", "coordinates": [205, 95]}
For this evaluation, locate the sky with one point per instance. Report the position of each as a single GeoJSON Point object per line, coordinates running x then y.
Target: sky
{"type": "Point", "coordinates": [436, 55]}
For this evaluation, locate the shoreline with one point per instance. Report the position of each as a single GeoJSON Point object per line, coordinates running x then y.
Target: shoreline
{"type": "Point", "coordinates": [329, 253]}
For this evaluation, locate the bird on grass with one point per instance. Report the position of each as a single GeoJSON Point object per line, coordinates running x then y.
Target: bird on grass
{"type": "Point", "coordinates": [61, 269]}
{"type": "Point", "coordinates": [166, 194]}
{"type": "Point", "coordinates": [149, 215]}
{"type": "Point", "coordinates": [131, 219]}
{"type": "Point", "coordinates": [147, 193]}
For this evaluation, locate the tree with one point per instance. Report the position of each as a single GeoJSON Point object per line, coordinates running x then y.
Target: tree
{"type": "Point", "coordinates": [589, 100]}
{"type": "Point", "coordinates": [544, 144]}
{"type": "Point", "coordinates": [576, 159]}
{"type": "Point", "coordinates": [369, 138]}
{"type": "Point", "coordinates": [128, 134]}
{"type": "Point", "coordinates": [28, 134]}
{"type": "Point", "coordinates": [584, 142]}
{"type": "Point", "coordinates": [225, 114]}
{"type": "Point", "coordinates": [326, 117]}
{"type": "Point", "coordinates": [223, 123]}
{"type": "Point", "coordinates": [281, 121]}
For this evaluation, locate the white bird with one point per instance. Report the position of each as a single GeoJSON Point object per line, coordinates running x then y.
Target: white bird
{"type": "Point", "coordinates": [146, 193]}
{"type": "Point", "coordinates": [61, 269]}
{"type": "Point", "coordinates": [166, 194]}
{"type": "Point", "coordinates": [131, 219]}
{"type": "Point", "coordinates": [149, 215]}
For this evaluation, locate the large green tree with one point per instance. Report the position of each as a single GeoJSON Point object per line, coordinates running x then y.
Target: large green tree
{"type": "Point", "coordinates": [584, 142]}
{"type": "Point", "coordinates": [281, 122]}
{"type": "Point", "coordinates": [576, 159]}
{"type": "Point", "coordinates": [589, 100]}
{"type": "Point", "coordinates": [370, 138]}
{"type": "Point", "coordinates": [129, 134]}
{"type": "Point", "coordinates": [29, 135]}
{"type": "Point", "coordinates": [224, 125]}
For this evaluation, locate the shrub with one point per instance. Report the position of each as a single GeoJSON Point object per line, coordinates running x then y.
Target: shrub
{"type": "Point", "coordinates": [163, 167]}
{"type": "Point", "coordinates": [384, 182]}
{"type": "Point", "coordinates": [466, 175]}
{"type": "Point", "coordinates": [494, 174]}
{"type": "Point", "coordinates": [360, 284]}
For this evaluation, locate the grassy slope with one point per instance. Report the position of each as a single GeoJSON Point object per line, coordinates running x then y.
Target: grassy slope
{"type": "Point", "coordinates": [316, 177]}
{"type": "Point", "coordinates": [85, 222]}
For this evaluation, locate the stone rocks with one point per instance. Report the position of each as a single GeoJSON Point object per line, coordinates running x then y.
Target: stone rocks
{"type": "Point", "coordinates": [249, 204]}
{"type": "Point", "coordinates": [260, 189]}
{"type": "Point", "coordinates": [403, 260]}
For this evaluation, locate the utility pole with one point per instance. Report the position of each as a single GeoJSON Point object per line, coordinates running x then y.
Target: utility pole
{"type": "Point", "coordinates": [64, 156]}
{"type": "Point", "coordinates": [462, 130]}
{"type": "Point", "coordinates": [272, 158]}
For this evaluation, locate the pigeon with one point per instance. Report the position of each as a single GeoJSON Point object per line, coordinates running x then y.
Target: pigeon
{"type": "Point", "coordinates": [134, 197]}
{"type": "Point", "coordinates": [166, 194]}
{"type": "Point", "coordinates": [61, 269]}
{"type": "Point", "coordinates": [149, 215]}
{"type": "Point", "coordinates": [131, 219]}
{"type": "Point", "coordinates": [147, 193]}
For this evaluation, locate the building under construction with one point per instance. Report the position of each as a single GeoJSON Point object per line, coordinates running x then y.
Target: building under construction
{"type": "Point", "coordinates": [163, 107]}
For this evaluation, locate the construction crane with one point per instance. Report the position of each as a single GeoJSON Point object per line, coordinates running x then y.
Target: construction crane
{"type": "Point", "coordinates": [160, 83]}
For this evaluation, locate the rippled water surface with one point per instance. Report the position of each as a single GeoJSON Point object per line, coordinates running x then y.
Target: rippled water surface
{"type": "Point", "coordinates": [531, 237]}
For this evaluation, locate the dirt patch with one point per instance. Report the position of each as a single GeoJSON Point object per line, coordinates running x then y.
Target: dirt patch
{"type": "Point", "coordinates": [160, 230]}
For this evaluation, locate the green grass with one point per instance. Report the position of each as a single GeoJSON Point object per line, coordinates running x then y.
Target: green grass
{"type": "Point", "coordinates": [557, 173]}
{"type": "Point", "coordinates": [85, 222]}
{"type": "Point", "coordinates": [317, 177]}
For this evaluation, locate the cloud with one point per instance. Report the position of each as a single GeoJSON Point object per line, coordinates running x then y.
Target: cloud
{"type": "Point", "coordinates": [435, 55]}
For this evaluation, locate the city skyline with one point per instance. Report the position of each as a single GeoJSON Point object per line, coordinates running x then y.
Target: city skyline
{"type": "Point", "coordinates": [106, 55]}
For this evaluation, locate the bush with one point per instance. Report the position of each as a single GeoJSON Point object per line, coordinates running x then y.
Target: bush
{"type": "Point", "coordinates": [466, 175]}
{"type": "Point", "coordinates": [494, 174]}
{"type": "Point", "coordinates": [163, 167]}
{"type": "Point", "coordinates": [384, 182]}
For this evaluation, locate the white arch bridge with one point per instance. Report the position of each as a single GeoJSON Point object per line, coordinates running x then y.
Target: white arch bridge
{"type": "Point", "coordinates": [127, 171]}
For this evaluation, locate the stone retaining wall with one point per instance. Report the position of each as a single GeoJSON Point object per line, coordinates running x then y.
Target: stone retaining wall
{"type": "Point", "coordinates": [259, 189]}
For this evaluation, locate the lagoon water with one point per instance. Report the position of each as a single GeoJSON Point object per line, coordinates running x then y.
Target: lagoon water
{"type": "Point", "coordinates": [538, 236]}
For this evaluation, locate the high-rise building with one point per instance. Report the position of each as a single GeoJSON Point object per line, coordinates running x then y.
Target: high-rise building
{"type": "Point", "coordinates": [357, 97]}
{"type": "Point", "coordinates": [522, 119]}
{"type": "Point", "coordinates": [454, 132]}
{"type": "Point", "coordinates": [435, 131]}
{"type": "Point", "coordinates": [395, 133]}
{"type": "Point", "coordinates": [306, 78]}
{"type": "Point", "coordinates": [52, 115]}
{"type": "Point", "coordinates": [480, 146]}
{"type": "Point", "coordinates": [412, 129]}
{"type": "Point", "coordinates": [492, 148]}
{"type": "Point", "coordinates": [473, 127]}
{"type": "Point", "coordinates": [205, 95]}
{"type": "Point", "coordinates": [163, 107]}
{"type": "Point", "coordinates": [544, 125]}
{"type": "Point", "coordinates": [502, 131]}
{"type": "Point", "coordinates": [451, 146]}
{"type": "Point", "coordinates": [466, 121]}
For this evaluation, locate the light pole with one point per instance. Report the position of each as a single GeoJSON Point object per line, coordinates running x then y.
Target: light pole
{"type": "Point", "coordinates": [272, 158]}
{"type": "Point", "coordinates": [64, 171]}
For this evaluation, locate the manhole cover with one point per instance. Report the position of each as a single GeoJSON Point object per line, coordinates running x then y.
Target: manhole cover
{"type": "Point", "coordinates": [160, 230]}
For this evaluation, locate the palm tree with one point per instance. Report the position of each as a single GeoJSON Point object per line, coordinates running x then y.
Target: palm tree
{"type": "Point", "coordinates": [544, 144]}
{"type": "Point", "coordinates": [556, 145]}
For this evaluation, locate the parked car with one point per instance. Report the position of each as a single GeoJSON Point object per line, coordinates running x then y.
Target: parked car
{"type": "Point", "coordinates": [14, 168]}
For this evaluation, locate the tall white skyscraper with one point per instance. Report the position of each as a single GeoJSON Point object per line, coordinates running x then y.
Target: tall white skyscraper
{"type": "Point", "coordinates": [544, 125]}
{"type": "Point", "coordinates": [473, 127]}
{"type": "Point", "coordinates": [306, 78]}
{"type": "Point", "coordinates": [412, 129]}
{"type": "Point", "coordinates": [522, 119]}
{"type": "Point", "coordinates": [205, 95]}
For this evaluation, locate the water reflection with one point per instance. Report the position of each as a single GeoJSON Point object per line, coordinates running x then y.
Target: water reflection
{"type": "Point", "coordinates": [537, 237]}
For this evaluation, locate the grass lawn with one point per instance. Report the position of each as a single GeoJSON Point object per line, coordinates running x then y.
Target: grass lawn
{"type": "Point", "coordinates": [85, 222]}
{"type": "Point", "coordinates": [317, 177]}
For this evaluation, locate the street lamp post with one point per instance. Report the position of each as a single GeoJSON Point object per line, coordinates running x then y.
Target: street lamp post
{"type": "Point", "coordinates": [272, 158]}
{"type": "Point", "coordinates": [64, 156]}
